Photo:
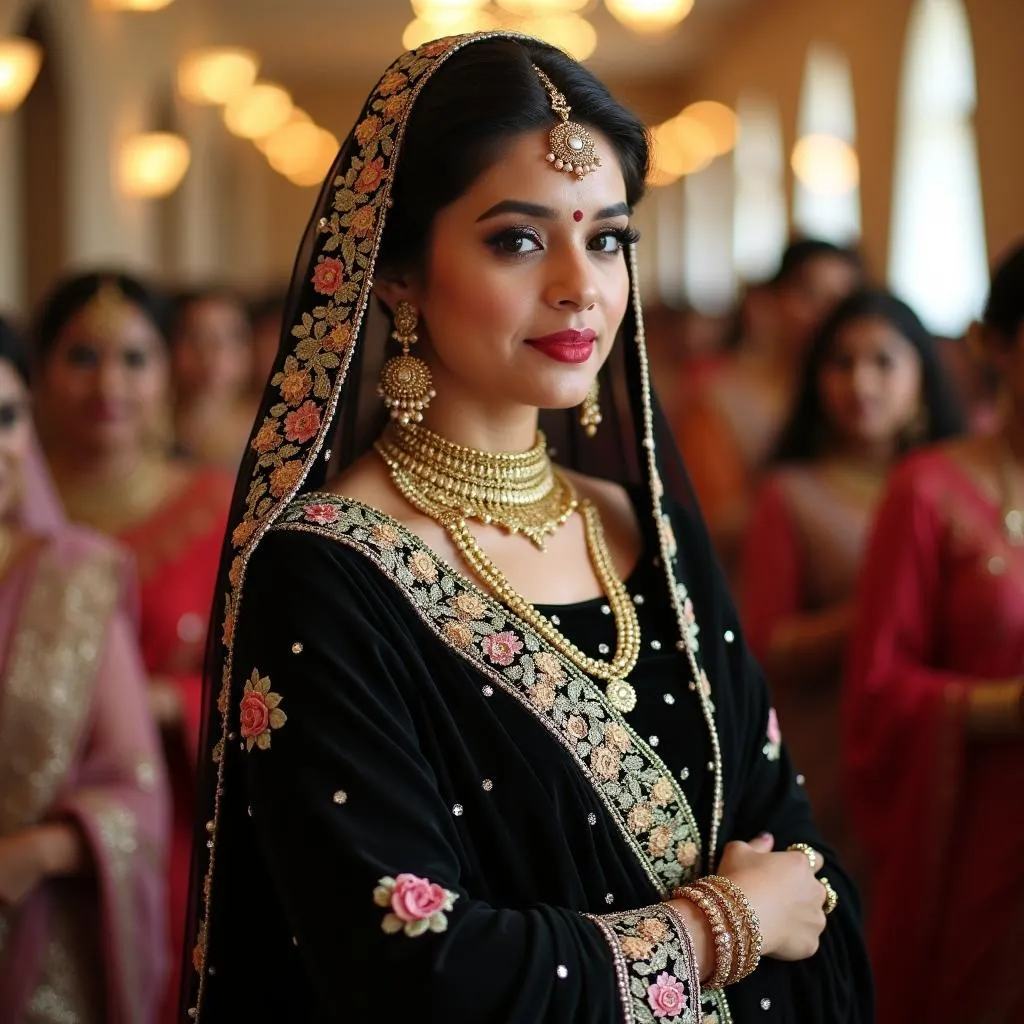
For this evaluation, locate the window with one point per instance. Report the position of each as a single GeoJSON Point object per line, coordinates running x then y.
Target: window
{"type": "Point", "coordinates": [937, 255]}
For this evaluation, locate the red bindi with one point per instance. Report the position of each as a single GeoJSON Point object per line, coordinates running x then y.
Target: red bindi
{"type": "Point", "coordinates": [577, 215]}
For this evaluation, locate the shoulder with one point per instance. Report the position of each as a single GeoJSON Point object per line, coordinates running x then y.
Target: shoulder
{"type": "Point", "coordinates": [928, 471]}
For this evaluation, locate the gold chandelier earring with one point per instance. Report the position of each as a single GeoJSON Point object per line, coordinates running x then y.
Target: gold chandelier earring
{"type": "Point", "coordinates": [590, 410]}
{"type": "Point", "coordinates": [406, 385]}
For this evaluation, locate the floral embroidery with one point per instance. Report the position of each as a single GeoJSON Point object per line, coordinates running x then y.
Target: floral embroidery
{"type": "Point", "coordinates": [367, 129]}
{"type": "Point", "coordinates": [502, 648]}
{"type": "Point", "coordinates": [294, 385]}
{"type": "Point", "coordinates": [261, 712]}
{"type": "Point", "coordinates": [416, 905]}
{"type": "Point", "coordinates": [362, 222]}
{"type": "Point", "coordinates": [370, 176]}
{"type": "Point", "coordinates": [657, 968]}
{"type": "Point", "coordinates": [773, 748]}
{"type": "Point", "coordinates": [322, 515]}
{"type": "Point", "coordinates": [328, 275]}
{"type": "Point", "coordinates": [285, 477]}
{"type": "Point", "coordinates": [422, 566]}
{"type": "Point", "coordinates": [242, 532]}
{"type": "Point", "coordinates": [394, 81]}
{"type": "Point", "coordinates": [459, 633]}
{"type": "Point", "coordinates": [626, 773]}
{"type": "Point", "coordinates": [338, 339]}
{"type": "Point", "coordinates": [303, 423]}
{"type": "Point", "coordinates": [667, 997]}
{"type": "Point", "coordinates": [394, 107]}
{"type": "Point", "coordinates": [468, 606]}
{"type": "Point", "coordinates": [687, 854]}
{"type": "Point", "coordinates": [266, 439]}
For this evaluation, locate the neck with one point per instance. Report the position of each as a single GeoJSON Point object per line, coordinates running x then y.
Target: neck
{"type": "Point", "coordinates": [516, 431]}
{"type": "Point", "coordinates": [867, 456]}
{"type": "Point", "coordinates": [99, 465]}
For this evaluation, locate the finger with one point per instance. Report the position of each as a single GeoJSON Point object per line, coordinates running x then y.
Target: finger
{"type": "Point", "coordinates": [764, 843]}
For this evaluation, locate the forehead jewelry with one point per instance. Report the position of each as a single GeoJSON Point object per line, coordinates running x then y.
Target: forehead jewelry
{"type": "Point", "coordinates": [572, 146]}
{"type": "Point", "coordinates": [107, 307]}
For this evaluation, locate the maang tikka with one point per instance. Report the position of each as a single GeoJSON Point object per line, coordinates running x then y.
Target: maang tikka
{"type": "Point", "coordinates": [406, 385]}
{"type": "Point", "coordinates": [572, 146]}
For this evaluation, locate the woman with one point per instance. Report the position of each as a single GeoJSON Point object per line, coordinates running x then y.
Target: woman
{"type": "Point", "coordinates": [421, 804]}
{"type": "Point", "coordinates": [873, 389]}
{"type": "Point", "coordinates": [83, 800]}
{"type": "Point", "coordinates": [103, 395]}
{"type": "Point", "coordinates": [934, 724]}
{"type": "Point", "coordinates": [212, 346]}
{"type": "Point", "coordinates": [728, 429]}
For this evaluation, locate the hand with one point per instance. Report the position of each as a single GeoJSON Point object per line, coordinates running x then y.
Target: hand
{"type": "Point", "coordinates": [21, 867]}
{"type": "Point", "coordinates": [164, 701]}
{"type": "Point", "coordinates": [785, 893]}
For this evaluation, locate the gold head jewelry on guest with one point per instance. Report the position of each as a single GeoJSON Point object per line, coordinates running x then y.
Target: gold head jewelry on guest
{"type": "Point", "coordinates": [103, 395]}
{"type": "Point", "coordinates": [477, 690]}
{"type": "Point", "coordinates": [83, 794]}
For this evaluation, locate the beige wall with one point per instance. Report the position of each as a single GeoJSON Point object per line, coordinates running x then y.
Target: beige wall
{"type": "Point", "coordinates": [765, 53]}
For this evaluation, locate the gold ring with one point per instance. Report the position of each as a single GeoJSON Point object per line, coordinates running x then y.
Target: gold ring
{"type": "Point", "coordinates": [831, 897]}
{"type": "Point", "coordinates": [809, 852]}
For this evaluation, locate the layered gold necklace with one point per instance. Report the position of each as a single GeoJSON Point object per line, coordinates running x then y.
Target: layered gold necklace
{"type": "Point", "coordinates": [521, 493]}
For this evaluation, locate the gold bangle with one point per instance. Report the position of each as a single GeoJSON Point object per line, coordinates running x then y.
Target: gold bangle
{"type": "Point", "coordinates": [725, 942]}
{"type": "Point", "coordinates": [809, 852]}
{"type": "Point", "coordinates": [741, 940]}
{"type": "Point", "coordinates": [756, 940]}
{"type": "Point", "coordinates": [831, 897]}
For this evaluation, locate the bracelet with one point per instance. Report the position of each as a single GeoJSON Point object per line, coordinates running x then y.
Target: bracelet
{"type": "Point", "coordinates": [732, 891]}
{"type": "Point", "coordinates": [742, 949]}
{"type": "Point", "coordinates": [724, 944]}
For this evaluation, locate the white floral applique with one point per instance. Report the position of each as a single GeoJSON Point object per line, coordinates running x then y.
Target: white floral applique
{"type": "Point", "coordinates": [773, 748]}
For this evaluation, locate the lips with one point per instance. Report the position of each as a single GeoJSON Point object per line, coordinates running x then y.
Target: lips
{"type": "Point", "coordinates": [566, 346]}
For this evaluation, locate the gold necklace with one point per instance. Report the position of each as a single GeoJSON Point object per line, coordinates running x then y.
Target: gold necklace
{"type": "Point", "coordinates": [520, 492]}
{"type": "Point", "coordinates": [1013, 517]}
{"type": "Point", "coordinates": [479, 490]}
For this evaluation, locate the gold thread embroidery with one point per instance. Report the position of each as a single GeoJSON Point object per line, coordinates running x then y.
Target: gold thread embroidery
{"type": "Point", "coordinates": [649, 808]}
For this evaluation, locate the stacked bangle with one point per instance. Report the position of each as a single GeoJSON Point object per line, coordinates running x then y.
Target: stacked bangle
{"type": "Point", "coordinates": [734, 926]}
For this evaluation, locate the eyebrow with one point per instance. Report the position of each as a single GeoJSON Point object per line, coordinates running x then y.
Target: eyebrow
{"type": "Point", "coordinates": [546, 212]}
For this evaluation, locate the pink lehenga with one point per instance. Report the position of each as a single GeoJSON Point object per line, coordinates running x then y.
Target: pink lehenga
{"type": "Point", "coordinates": [77, 744]}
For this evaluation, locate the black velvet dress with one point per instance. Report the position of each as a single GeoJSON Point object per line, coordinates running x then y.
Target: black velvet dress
{"type": "Point", "coordinates": [447, 822]}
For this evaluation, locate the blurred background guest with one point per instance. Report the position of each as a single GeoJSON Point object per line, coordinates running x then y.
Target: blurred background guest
{"type": "Point", "coordinates": [729, 429]}
{"type": "Point", "coordinates": [934, 710]}
{"type": "Point", "coordinates": [212, 366]}
{"type": "Point", "coordinates": [873, 389]}
{"type": "Point", "coordinates": [103, 395]}
{"type": "Point", "coordinates": [83, 800]}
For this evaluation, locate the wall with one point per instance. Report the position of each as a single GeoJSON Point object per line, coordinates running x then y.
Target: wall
{"type": "Point", "coordinates": [765, 53]}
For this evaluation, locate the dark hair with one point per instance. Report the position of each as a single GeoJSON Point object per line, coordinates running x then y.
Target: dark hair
{"type": "Point", "coordinates": [1004, 311]}
{"type": "Point", "coordinates": [13, 350]}
{"type": "Point", "coordinates": [70, 296]}
{"type": "Point", "coordinates": [481, 97]}
{"type": "Point", "coordinates": [184, 300]}
{"type": "Point", "coordinates": [801, 439]}
{"type": "Point", "coordinates": [802, 251]}
{"type": "Point", "coordinates": [272, 304]}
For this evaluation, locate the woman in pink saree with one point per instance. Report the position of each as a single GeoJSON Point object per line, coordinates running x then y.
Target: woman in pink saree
{"type": "Point", "coordinates": [83, 800]}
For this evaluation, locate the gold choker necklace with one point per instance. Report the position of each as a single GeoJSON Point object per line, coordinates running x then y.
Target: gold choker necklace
{"type": "Point", "coordinates": [522, 493]}
{"type": "Point", "coordinates": [519, 492]}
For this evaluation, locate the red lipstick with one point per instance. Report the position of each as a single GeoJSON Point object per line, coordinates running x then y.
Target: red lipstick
{"type": "Point", "coordinates": [566, 346]}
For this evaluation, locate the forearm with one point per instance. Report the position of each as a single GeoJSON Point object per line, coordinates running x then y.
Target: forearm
{"type": "Point", "coordinates": [700, 935]}
{"type": "Point", "coordinates": [808, 646]}
{"type": "Point", "coordinates": [60, 849]}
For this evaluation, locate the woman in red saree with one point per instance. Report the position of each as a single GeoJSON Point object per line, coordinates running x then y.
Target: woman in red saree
{"type": "Point", "coordinates": [104, 389]}
{"type": "Point", "coordinates": [874, 388]}
{"type": "Point", "coordinates": [83, 800]}
{"type": "Point", "coordinates": [933, 716]}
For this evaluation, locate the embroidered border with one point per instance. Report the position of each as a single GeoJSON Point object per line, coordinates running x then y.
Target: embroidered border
{"type": "Point", "coordinates": [644, 800]}
{"type": "Point", "coordinates": [655, 965]}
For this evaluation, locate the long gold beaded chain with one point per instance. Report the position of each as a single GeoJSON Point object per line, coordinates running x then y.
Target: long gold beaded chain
{"type": "Point", "coordinates": [620, 693]}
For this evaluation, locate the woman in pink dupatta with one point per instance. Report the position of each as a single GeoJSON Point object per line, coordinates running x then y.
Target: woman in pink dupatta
{"type": "Point", "coordinates": [83, 799]}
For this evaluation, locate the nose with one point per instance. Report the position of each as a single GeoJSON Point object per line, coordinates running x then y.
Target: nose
{"type": "Point", "coordinates": [110, 379]}
{"type": "Point", "coordinates": [571, 285]}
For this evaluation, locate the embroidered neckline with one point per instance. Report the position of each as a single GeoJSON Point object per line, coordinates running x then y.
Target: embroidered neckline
{"type": "Point", "coordinates": [640, 793]}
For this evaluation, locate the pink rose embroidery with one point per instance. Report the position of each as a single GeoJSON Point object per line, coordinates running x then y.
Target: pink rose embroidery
{"type": "Point", "coordinates": [666, 997]}
{"type": "Point", "coordinates": [322, 515]}
{"type": "Point", "coordinates": [302, 423]}
{"type": "Point", "coordinates": [416, 905]}
{"type": "Point", "coordinates": [773, 748]}
{"type": "Point", "coordinates": [260, 712]}
{"type": "Point", "coordinates": [327, 276]}
{"type": "Point", "coordinates": [502, 648]}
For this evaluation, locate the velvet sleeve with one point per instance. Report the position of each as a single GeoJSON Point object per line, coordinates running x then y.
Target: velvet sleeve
{"type": "Point", "coordinates": [762, 795]}
{"type": "Point", "coordinates": [364, 853]}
